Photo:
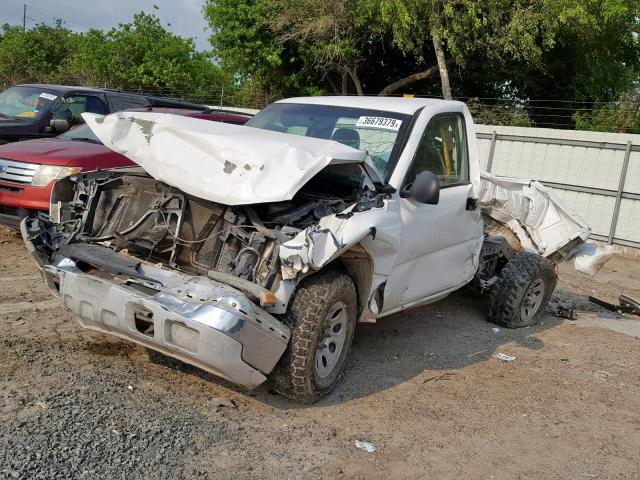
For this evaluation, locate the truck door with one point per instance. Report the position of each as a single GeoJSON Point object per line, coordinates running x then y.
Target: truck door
{"type": "Point", "coordinates": [440, 243]}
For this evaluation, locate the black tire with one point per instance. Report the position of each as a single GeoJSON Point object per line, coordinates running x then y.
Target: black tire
{"type": "Point", "coordinates": [518, 283]}
{"type": "Point", "coordinates": [296, 374]}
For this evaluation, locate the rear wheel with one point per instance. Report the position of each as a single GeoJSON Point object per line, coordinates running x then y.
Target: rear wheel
{"type": "Point", "coordinates": [322, 318]}
{"type": "Point", "coordinates": [522, 291]}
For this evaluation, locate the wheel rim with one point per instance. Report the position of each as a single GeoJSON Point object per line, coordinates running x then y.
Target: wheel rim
{"type": "Point", "coordinates": [533, 299]}
{"type": "Point", "coordinates": [331, 345]}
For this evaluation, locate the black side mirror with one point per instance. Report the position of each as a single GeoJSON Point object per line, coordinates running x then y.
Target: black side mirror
{"type": "Point", "coordinates": [425, 188]}
{"type": "Point", "coordinates": [59, 125]}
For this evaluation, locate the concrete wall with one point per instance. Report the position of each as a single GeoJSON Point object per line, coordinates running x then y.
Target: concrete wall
{"type": "Point", "coordinates": [598, 168]}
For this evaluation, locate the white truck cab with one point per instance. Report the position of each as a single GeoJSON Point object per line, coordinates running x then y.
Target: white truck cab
{"type": "Point", "coordinates": [252, 251]}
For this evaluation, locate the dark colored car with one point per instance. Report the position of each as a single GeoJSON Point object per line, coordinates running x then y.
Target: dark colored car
{"type": "Point", "coordinates": [28, 169]}
{"type": "Point", "coordinates": [36, 111]}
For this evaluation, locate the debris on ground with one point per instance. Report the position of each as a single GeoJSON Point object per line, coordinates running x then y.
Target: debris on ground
{"type": "Point", "coordinates": [444, 376]}
{"type": "Point", "coordinates": [495, 329]}
{"type": "Point", "coordinates": [627, 305]}
{"type": "Point", "coordinates": [366, 446]}
{"type": "Point", "coordinates": [562, 309]}
{"type": "Point", "coordinates": [504, 358]}
{"type": "Point", "coordinates": [223, 402]}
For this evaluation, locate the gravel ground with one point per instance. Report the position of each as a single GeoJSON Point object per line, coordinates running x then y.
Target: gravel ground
{"type": "Point", "coordinates": [424, 387]}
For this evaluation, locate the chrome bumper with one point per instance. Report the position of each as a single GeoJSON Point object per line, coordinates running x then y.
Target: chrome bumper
{"type": "Point", "coordinates": [192, 318]}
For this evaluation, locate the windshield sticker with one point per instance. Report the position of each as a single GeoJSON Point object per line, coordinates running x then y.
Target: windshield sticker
{"type": "Point", "coordinates": [48, 96]}
{"type": "Point", "coordinates": [379, 122]}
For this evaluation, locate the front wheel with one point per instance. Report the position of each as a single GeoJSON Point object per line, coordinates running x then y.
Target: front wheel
{"type": "Point", "coordinates": [523, 290]}
{"type": "Point", "coordinates": [322, 318]}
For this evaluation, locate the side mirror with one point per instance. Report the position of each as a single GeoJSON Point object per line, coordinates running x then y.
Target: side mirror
{"type": "Point", "coordinates": [59, 125]}
{"type": "Point", "coordinates": [425, 188]}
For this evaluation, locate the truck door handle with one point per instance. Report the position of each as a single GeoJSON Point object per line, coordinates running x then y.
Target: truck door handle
{"type": "Point", "coordinates": [472, 204]}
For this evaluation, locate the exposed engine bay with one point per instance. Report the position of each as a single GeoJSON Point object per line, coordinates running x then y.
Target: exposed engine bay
{"type": "Point", "coordinates": [131, 212]}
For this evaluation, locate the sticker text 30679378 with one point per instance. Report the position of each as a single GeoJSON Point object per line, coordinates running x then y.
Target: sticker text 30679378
{"type": "Point", "coordinates": [379, 122]}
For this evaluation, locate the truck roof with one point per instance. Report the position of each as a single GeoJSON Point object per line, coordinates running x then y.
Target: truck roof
{"type": "Point", "coordinates": [390, 104]}
{"type": "Point", "coordinates": [62, 89]}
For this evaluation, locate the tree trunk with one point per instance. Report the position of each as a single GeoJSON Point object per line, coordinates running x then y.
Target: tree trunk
{"type": "Point", "coordinates": [345, 83]}
{"type": "Point", "coordinates": [333, 85]}
{"type": "Point", "coordinates": [442, 65]}
{"type": "Point", "coordinates": [353, 73]}
{"type": "Point", "coordinates": [392, 87]}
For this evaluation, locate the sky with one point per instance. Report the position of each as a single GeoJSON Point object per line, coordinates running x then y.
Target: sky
{"type": "Point", "coordinates": [185, 16]}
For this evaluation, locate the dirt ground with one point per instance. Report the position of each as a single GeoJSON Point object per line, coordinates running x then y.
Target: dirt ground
{"type": "Point", "coordinates": [424, 387]}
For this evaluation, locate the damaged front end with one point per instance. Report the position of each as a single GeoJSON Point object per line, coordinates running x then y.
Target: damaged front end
{"type": "Point", "coordinates": [194, 279]}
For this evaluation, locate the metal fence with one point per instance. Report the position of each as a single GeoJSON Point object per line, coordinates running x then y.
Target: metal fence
{"type": "Point", "coordinates": [597, 174]}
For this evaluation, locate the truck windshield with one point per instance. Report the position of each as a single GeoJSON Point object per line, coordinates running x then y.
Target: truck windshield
{"type": "Point", "coordinates": [24, 102]}
{"type": "Point", "coordinates": [377, 132]}
{"type": "Point", "coordinates": [81, 133]}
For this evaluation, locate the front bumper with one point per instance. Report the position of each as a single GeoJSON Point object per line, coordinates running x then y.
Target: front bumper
{"type": "Point", "coordinates": [194, 319]}
{"type": "Point", "coordinates": [19, 201]}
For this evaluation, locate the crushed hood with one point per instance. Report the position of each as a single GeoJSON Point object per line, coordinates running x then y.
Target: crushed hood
{"type": "Point", "coordinates": [224, 163]}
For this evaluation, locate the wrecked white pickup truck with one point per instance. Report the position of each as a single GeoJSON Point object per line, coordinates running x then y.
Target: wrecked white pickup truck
{"type": "Point", "coordinates": [252, 251]}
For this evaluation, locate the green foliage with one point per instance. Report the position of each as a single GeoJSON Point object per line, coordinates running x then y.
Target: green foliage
{"type": "Point", "coordinates": [498, 114]}
{"type": "Point", "coordinates": [246, 45]}
{"type": "Point", "coordinates": [533, 53]}
{"type": "Point", "coordinates": [532, 49]}
{"type": "Point", "coordinates": [141, 55]}
{"type": "Point", "coordinates": [305, 46]}
{"type": "Point", "coordinates": [619, 117]}
{"type": "Point", "coordinates": [37, 55]}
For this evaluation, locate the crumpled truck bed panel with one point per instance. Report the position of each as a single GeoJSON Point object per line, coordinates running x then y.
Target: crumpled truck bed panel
{"type": "Point", "coordinates": [542, 222]}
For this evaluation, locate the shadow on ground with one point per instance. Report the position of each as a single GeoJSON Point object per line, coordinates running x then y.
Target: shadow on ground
{"type": "Point", "coordinates": [446, 336]}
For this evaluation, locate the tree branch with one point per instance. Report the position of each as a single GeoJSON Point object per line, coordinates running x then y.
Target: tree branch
{"type": "Point", "coordinates": [333, 85]}
{"type": "Point", "coordinates": [392, 87]}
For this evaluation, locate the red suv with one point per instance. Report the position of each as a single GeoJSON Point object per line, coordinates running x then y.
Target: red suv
{"type": "Point", "coordinates": [29, 168]}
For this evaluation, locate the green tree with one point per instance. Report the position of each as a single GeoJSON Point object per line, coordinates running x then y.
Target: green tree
{"type": "Point", "coordinates": [144, 55]}
{"type": "Point", "coordinates": [306, 46]}
{"type": "Point", "coordinates": [37, 55]}
{"type": "Point", "coordinates": [590, 54]}
{"type": "Point", "coordinates": [523, 49]}
{"type": "Point", "coordinates": [140, 56]}
{"type": "Point", "coordinates": [622, 116]}
{"type": "Point", "coordinates": [245, 44]}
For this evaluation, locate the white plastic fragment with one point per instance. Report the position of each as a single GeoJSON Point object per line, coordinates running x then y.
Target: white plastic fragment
{"type": "Point", "coordinates": [591, 257]}
{"type": "Point", "coordinates": [366, 446]}
{"type": "Point", "coordinates": [504, 358]}
{"type": "Point", "coordinates": [495, 329]}
{"type": "Point", "coordinates": [223, 402]}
